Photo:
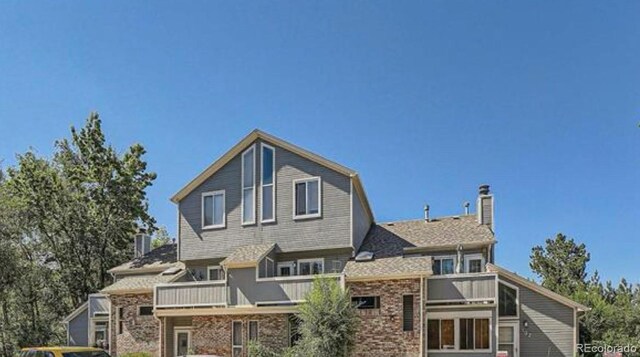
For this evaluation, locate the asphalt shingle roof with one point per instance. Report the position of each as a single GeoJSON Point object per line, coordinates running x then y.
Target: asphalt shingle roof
{"type": "Point", "coordinates": [389, 239]}
{"type": "Point", "coordinates": [162, 258]}
{"type": "Point", "coordinates": [388, 267]}
{"type": "Point", "coordinates": [140, 282]}
{"type": "Point", "coordinates": [248, 254]}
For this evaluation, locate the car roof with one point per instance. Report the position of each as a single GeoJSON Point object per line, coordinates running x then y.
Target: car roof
{"type": "Point", "coordinates": [63, 349]}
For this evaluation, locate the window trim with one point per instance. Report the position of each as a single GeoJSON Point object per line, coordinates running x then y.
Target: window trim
{"type": "Point", "coordinates": [291, 264]}
{"type": "Point", "coordinates": [309, 260]}
{"type": "Point", "coordinates": [242, 188]}
{"type": "Point", "coordinates": [476, 256]}
{"type": "Point", "coordinates": [119, 320]}
{"type": "Point", "coordinates": [272, 184]}
{"type": "Point", "coordinates": [375, 297]}
{"type": "Point", "coordinates": [218, 267]}
{"type": "Point", "coordinates": [413, 320]}
{"type": "Point", "coordinates": [305, 180]}
{"type": "Point", "coordinates": [445, 257]}
{"type": "Point", "coordinates": [233, 345]}
{"type": "Point", "coordinates": [224, 209]}
{"type": "Point", "coordinates": [456, 316]}
{"type": "Point", "coordinates": [257, 330]}
{"type": "Point", "coordinates": [517, 289]}
{"type": "Point", "coordinates": [140, 308]}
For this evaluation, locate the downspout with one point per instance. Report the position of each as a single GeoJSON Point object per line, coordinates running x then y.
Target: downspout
{"type": "Point", "coordinates": [422, 316]}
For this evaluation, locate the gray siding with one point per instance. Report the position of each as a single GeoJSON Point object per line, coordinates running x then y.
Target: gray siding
{"type": "Point", "coordinates": [245, 290]}
{"type": "Point", "coordinates": [331, 230]}
{"type": "Point", "coordinates": [551, 330]}
{"type": "Point", "coordinates": [199, 294]}
{"type": "Point", "coordinates": [79, 330]}
{"type": "Point", "coordinates": [461, 288]}
{"type": "Point", "coordinates": [361, 222]}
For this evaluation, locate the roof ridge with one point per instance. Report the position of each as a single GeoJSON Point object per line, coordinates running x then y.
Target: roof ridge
{"type": "Point", "coordinates": [430, 219]}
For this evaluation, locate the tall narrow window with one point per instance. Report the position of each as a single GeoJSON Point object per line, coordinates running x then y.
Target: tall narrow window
{"type": "Point", "coordinates": [407, 313]}
{"type": "Point", "coordinates": [267, 183]}
{"type": "Point", "coordinates": [307, 198]}
{"type": "Point", "coordinates": [236, 338]}
{"type": "Point", "coordinates": [248, 186]}
{"type": "Point", "coordinates": [507, 301]}
{"type": "Point", "coordinates": [213, 215]}
{"type": "Point", "coordinates": [120, 320]}
{"type": "Point", "coordinates": [253, 330]}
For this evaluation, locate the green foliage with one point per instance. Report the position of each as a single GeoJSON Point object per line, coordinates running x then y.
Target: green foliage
{"type": "Point", "coordinates": [136, 354]}
{"type": "Point", "coordinates": [161, 238]}
{"type": "Point", "coordinates": [328, 324]}
{"type": "Point", "coordinates": [64, 221]}
{"type": "Point", "coordinates": [561, 264]}
{"type": "Point", "coordinates": [614, 318]}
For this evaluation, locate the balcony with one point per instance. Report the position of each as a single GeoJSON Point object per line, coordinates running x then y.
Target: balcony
{"type": "Point", "coordinates": [242, 289]}
{"type": "Point", "coordinates": [191, 294]}
{"type": "Point", "coordinates": [476, 287]}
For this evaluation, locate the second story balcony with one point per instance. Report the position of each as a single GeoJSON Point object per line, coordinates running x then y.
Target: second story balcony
{"type": "Point", "coordinates": [241, 289]}
{"type": "Point", "coordinates": [462, 288]}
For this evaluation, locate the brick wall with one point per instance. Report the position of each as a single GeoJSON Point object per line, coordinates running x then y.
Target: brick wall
{"type": "Point", "coordinates": [212, 334]}
{"type": "Point", "coordinates": [139, 333]}
{"type": "Point", "coordinates": [380, 332]}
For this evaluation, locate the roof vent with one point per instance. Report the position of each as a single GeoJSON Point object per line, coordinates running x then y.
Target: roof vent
{"type": "Point", "coordinates": [364, 257]}
{"type": "Point", "coordinates": [171, 271]}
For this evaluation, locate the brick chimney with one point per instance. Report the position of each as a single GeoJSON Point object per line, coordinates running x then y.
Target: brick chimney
{"type": "Point", "coordinates": [485, 206]}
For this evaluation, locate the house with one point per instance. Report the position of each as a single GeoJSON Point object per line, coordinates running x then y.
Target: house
{"type": "Point", "coordinates": [258, 224]}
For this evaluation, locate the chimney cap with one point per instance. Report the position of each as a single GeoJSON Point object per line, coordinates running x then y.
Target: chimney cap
{"type": "Point", "coordinates": [483, 189]}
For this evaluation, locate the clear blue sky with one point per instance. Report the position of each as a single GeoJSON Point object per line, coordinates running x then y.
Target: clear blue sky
{"type": "Point", "coordinates": [425, 99]}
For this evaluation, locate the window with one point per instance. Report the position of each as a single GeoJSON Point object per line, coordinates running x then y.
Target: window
{"type": "Point", "coordinates": [459, 331]}
{"type": "Point", "coordinates": [248, 186]}
{"type": "Point", "coordinates": [310, 266]}
{"type": "Point", "coordinates": [507, 300]}
{"type": "Point", "coordinates": [267, 182]}
{"type": "Point", "coordinates": [145, 310]}
{"type": "Point", "coordinates": [215, 273]}
{"type": "Point", "coordinates": [236, 338]}
{"type": "Point", "coordinates": [213, 215]}
{"type": "Point", "coordinates": [337, 266]}
{"type": "Point", "coordinates": [120, 320]}
{"type": "Point", "coordinates": [473, 263]}
{"type": "Point", "coordinates": [307, 198]}
{"type": "Point", "coordinates": [441, 334]}
{"type": "Point", "coordinates": [443, 265]}
{"type": "Point", "coordinates": [286, 269]}
{"type": "Point", "coordinates": [253, 330]}
{"type": "Point", "coordinates": [366, 302]}
{"type": "Point", "coordinates": [407, 313]}
{"type": "Point", "coordinates": [474, 334]}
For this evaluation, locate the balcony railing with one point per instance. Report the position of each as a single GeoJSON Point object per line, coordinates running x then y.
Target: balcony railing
{"type": "Point", "coordinates": [191, 294]}
{"type": "Point", "coordinates": [244, 290]}
{"type": "Point", "coordinates": [461, 288]}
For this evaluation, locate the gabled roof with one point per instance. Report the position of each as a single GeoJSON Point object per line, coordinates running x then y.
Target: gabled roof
{"type": "Point", "coordinates": [388, 268]}
{"type": "Point", "coordinates": [157, 260]}
{"type": "Point", "coordinates": [76, 312]}
{"type": "Point", "coordinates": [250, 139]}
{"type": "Point", "coordinates": [535, 287]}
{"type": "Point", "coordinates": [397, 238]}
{"type": "Point", "coordinates": [247, 255]}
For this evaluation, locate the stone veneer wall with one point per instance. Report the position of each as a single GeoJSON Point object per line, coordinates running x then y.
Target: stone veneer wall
{"type": "Point", "coordinates": [380, 332]}
{"type": "Point", "coordinates": [140, 333]}
{"type": "Point", "coordinates": [211, 335]}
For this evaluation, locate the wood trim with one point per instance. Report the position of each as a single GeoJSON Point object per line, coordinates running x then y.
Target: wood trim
{"type": "Point", "coordinates": [226, 311]}
{"type": "Point", "coordinates": [537, 288]}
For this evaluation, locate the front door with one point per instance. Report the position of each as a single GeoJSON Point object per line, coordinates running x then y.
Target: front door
{"type": "Point", "coordinates": [508, 339]}
{"type": "Point", "coordinates": [182, 342]}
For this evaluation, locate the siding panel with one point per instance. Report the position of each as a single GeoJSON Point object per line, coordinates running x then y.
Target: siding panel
{"type": "Point", "coordinates": [332, 230]}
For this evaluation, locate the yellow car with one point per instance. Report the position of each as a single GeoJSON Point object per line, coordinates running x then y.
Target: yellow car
{"type": "Point", "coordinates": [63, 352]}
